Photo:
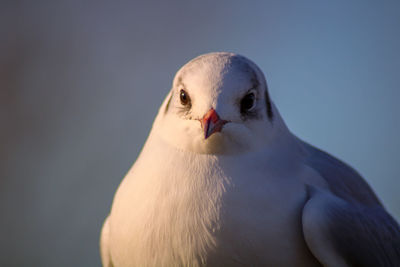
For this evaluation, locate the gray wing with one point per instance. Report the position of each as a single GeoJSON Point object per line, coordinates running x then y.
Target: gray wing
{"type": "Point", "coordinates": [340, 233]}
{"type": "Point", "coordinates": [343, 181]}
{"type": "Point", "coordinates": [347, 226]}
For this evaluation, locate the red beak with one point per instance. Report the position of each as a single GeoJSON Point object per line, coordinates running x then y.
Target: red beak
{"type": "Point", "coordinates": [211, 123]}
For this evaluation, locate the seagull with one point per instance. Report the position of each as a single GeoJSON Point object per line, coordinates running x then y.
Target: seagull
{"type": "Point", "coordinates": [221, 181]}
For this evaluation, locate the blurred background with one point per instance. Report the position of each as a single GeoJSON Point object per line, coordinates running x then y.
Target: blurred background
{"type": "Point", "coordinates": [81, 82]}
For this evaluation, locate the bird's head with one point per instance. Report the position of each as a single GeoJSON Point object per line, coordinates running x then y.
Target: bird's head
{"type": "Point", "coordinates": [218, 104]}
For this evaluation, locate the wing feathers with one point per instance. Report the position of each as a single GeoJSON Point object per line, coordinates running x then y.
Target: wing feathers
{"type": "Point", "coordinates": [340, 233]}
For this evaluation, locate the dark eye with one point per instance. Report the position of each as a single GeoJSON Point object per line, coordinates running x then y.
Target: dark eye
{"type": "Point", "coordinates": [247, 103]}
{"type": "Point", "coordinates": [185, 99]}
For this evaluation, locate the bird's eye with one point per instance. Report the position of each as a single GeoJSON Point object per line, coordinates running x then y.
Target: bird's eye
{"type": "Point", "coordinates": [184, 96]}
{"type": "Point", "coordinates": [247, 103]}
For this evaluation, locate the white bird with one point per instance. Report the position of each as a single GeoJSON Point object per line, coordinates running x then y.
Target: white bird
{"type": "Point", "coordinates": [221, 181]}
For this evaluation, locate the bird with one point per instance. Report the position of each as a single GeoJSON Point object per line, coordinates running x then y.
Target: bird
{"type": "Point", "coordinates": [222, 181]}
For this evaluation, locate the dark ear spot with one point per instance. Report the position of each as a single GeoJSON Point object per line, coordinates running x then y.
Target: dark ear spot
{"type": "Point", "coordinates": [167, 106]}
{"type": "Point", "coordinates": [268, 105]}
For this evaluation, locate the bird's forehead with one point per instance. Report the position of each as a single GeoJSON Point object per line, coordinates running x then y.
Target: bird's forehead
{"type": "Point", "coordinates": [218, 72]}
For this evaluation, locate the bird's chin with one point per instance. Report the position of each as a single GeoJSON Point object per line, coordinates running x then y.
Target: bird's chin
{"type": "Point", "coordinates": [217, 144]}
{"type": "Point", "coordinates": [232, 139]}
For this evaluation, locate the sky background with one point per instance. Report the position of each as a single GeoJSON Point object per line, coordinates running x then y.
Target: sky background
{"type": "Point", "coordinates": [81, 82]}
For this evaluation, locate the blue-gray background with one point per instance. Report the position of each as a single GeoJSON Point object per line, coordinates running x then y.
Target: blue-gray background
{"type": "Point", "coordinates": [81, 81]}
